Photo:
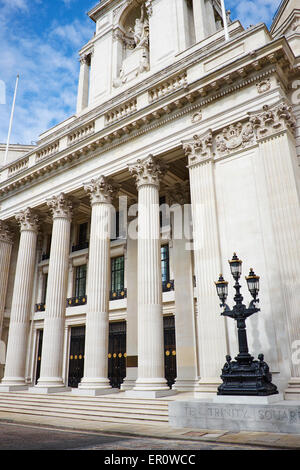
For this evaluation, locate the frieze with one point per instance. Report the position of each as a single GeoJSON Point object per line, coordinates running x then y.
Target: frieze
{"type": "Point", "coordinates": [235, 136]}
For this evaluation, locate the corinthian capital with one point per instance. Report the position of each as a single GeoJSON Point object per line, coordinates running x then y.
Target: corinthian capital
{"type": "Point", "coordinates": [6, 235]}
{"type": "Point", "coordinates": [149, 171]}
{"type": "Point", "coordinates": [101, 190]}
{"type": "Point", "coordinates": [199, 149]}
{"type": "Point", "coordinates": [28, 220]}
{"type": "Point", "coordinates": [61, 206]}
{"type": "Point", "coordinates": [273, 119]}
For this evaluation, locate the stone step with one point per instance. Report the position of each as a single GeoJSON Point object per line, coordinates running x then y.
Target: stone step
{"type": "Point", "coordinates": [107, 407]}
{"type": "Point", "coordinates": [84, 415]}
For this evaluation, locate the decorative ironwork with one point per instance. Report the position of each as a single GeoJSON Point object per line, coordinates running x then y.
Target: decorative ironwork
{"type": "Point", "coordinates": [118, 294]}
{"type": "Point", "coordinates": [117, 354]}
{"type": "Point", "coordinates": [40, 307]}
{"type": "Point", "coordinates": [245, 376]}
{"type": "Point", "coordinates": [170, 350]}
{"type": "Point", "coordinates": [167, 286]}
{"type": "Point", "coordinates": [75, 301]}
{"type": "Point", "coordinates": [76, 363]}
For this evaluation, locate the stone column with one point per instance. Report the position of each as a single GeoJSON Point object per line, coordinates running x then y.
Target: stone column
{"type": "Point", "coordinates": [131, 318]}
{"type": "Point", "coordinates": [51, 378]}
{"type": "Point", "coordinates": [200, 19]}
{"type": "Point", "coordinates": [185, 327]}
{"type": "Point", "coordinates": [275, 129]}
{"type": "Point", "coordinates": [83, 84]}
{"type": "Point", "coordinates": [211, 326]}
{"type": "Point", "coordinates": [14, 376]}
{"type": "Point", "coordinates": [151, 381]}
{"type": "Point", "coordinates": [95, 380]}
{"type": "Point", "coordinates": [6, 244]}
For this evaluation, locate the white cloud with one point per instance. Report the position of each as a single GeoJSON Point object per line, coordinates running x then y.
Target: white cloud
{"type": "Point", "coordinates": [253, 11]}
{"type": "Point", "coordinates": [48, 67]}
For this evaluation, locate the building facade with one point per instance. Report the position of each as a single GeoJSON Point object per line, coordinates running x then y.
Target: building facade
{"type": "Point", "coordinates": [113, 229]}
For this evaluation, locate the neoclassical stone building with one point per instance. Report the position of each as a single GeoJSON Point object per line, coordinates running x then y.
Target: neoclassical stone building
{"type": "Point", "coordinates": [184, 149]}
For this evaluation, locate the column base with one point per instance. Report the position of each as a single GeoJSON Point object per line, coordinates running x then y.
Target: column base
{"type": "Point", "coordinates": [149, 393]}
{"type": "Point", "coordinates": [47, 390]}
{"type": "Point", "coordinates": [128, 384]}
{"type": "Point", "coordinates": [12, 388]}
{"type": "Point", "coordinates": [293, 390]}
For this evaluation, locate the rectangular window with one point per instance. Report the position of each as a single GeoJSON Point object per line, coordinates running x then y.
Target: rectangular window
{"type": "Point", "coordinates": [117, 274]}
{"type": "Point", "coordinates": [165, 267]}
{"type": "Point", "coordinates": [80, 281]}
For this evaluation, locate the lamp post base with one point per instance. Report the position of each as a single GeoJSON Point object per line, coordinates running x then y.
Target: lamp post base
{"type": "Point", "coordinates": [246, 376]}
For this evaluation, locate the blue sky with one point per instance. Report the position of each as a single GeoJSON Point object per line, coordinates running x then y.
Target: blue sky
{"type": "Point", "coordinates": [40, 40]}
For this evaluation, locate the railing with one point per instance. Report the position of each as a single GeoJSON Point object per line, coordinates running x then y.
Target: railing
{"type": "Point", "coordinates": [47, 151]}
{"type": "Point", "coordinates": [76, 301]}
{"type": "Point", "coordinates": [121, 112]}
{"type": "Point", "coordinates": [167, 286]}
{"type": "Point", "coordinates": [19, 166]}
{"type": "Point", "coordinates": [81, 133]}
{"type": "Point", "coordinates": [118, 294]}
{"type": "Point", "coordinates": [80, 246]}
{"type": "Point", "coordinates": [168, 86]}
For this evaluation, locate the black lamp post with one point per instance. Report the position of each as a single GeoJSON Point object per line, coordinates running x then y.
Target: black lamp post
{"type": "Point", "coordinates": [245, 376]}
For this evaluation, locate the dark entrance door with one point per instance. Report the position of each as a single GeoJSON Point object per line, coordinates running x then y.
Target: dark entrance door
{"type": "Point", "coordinates": [117, 354]}
{"type": "Point", "coordinates": [39, 355]}
{"type": "Point", "coordinates": [76, 359]}
{"type": "Point", "coordinates": [170, 350]}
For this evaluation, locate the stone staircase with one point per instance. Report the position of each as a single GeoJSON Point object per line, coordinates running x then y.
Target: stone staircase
{"type": "Point", "coordinates": [110, 409]}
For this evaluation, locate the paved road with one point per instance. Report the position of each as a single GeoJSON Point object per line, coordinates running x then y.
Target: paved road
{"type": "Point", "coordinates": [26, 437]}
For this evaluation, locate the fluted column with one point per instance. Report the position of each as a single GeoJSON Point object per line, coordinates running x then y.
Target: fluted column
{"type": "Point", "coordinates": [185, 329]}
{"type": "Point", "coordinates": [276, 131]}
{"type": "Point", "coordinates": [14, 376]}
{"type": "Point", "coordinates": [211, 326]}
{"type": "Point", "coordinates": [6, 244]}
{"type": "Point", "coordinates": [151, 380]}
{"type": "Point", "coordinates": [95, 380]}
{"type": "Point", "coordinates": [51, 378]}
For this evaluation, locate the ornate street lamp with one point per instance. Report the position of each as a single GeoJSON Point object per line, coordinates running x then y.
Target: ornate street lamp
{"type": "Point", "coordinates": [245, 376]}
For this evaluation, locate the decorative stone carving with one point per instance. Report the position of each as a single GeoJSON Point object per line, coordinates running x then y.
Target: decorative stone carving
{"type": "Point", "coordinates": [148, 171]}
{"type": "Point", "coordinates": [273, 119]}
{"type": "Point", "coordinates": [28, 220]}
{"type": "Point", "coordinates": [200, 148]}
{"type": "Point", "coordinates": [101, 190]}
{"type": "Point", "coordinates": [234, 136]}
{"type": "Point", "coordinates": [141, 30]}
{"type": "Point", "coordinates": [179, 193]}
{"type": "Point", "coordinates": [263, 86]}
{"type": "Point", "coordinates": [197, 117]}
{"type": "Point", "coordinates": [61, 206]}
{"type": "Point", "coordinates": [6, 235]}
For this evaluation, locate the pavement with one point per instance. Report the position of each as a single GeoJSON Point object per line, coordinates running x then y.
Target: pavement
{"type": "Point", "coordinates": [183, 436]}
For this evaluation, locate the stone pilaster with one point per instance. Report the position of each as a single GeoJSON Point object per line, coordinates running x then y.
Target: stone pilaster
{"type": "Point", "coordinates": [186, 347]}
{"type": "Point", "coordinates": [151, 380]}
{"type": "Point", "coordinates": [211, 326]}
{"type": "Point", "coordinates": [6, 242]}
{"type": "Point", "coordinates": [95, 381]}
{"type": "Point", "coordinates": [14, 376]}
{"type": "Point", "coordinates": [83, 84]}
{"type": "Point", "coordinates": [51, 377]}
{"type": "Point", "coordinates": [276, 129]}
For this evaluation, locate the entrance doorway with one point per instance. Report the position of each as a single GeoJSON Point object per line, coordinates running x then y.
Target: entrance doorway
{"type": "Point", "coordinates": [39, 355]}
{"type": "Point", "coordinates": [170, 350]}
{"type": "Point", "coordinates": [76, 358]}
{"type": "Point", "coordinates": [117, 354]}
